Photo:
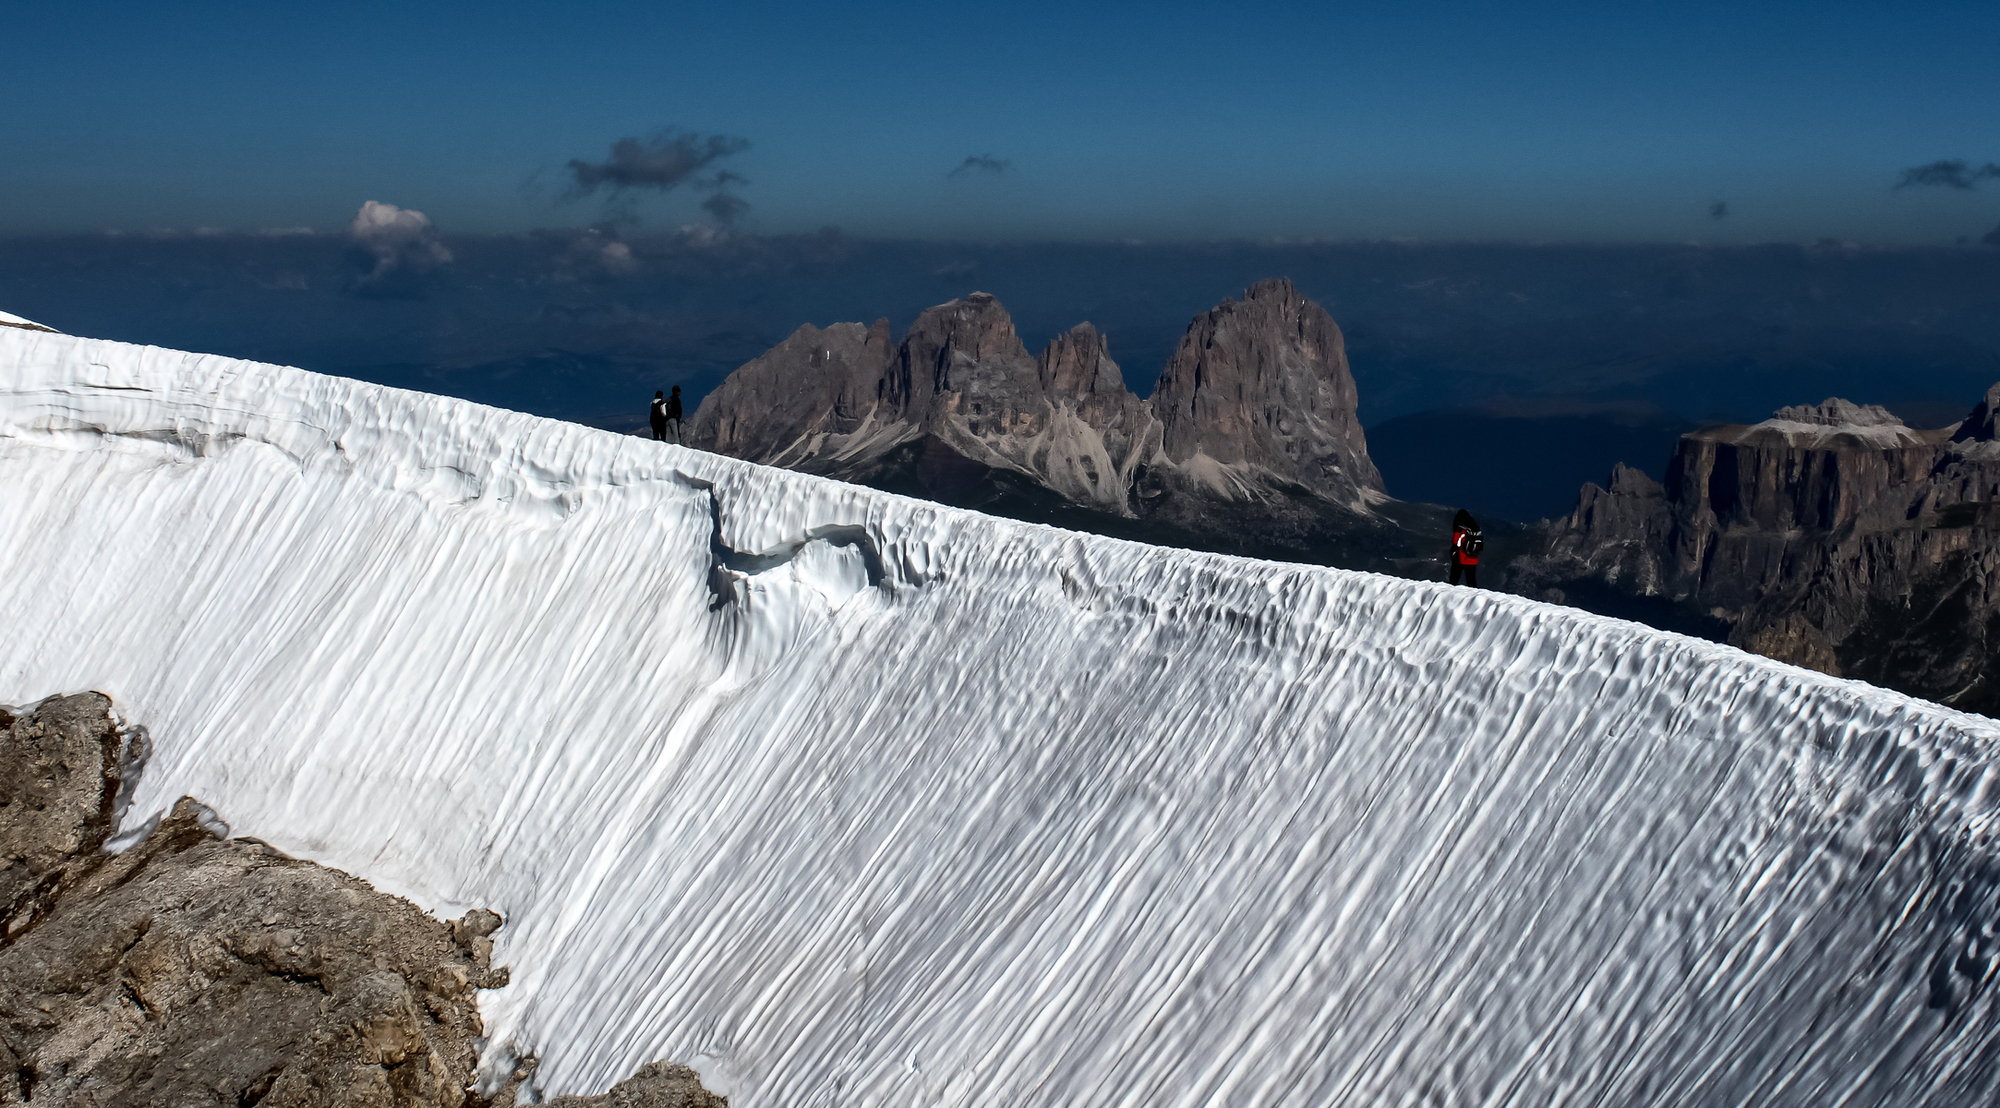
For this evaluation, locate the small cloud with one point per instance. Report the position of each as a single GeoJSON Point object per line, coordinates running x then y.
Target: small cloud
{"type": "Point", "coordinates": [1953, 173]}
{"type": "Point", "coordinates": [617, 259]}
{"type": "Point", "coordinates": [666, 161]}
{"type": "Point", "coordinates": [590, 254]}
{"type": "Point", "coordinates": [951, 270]}
{"type": "Point", "coordinates": [1719, 210]}
{"type": "Point", "coordinates": [398, 247]}
{"type": "Point", "coordinates": [1992, 238]}
{"type": "Point", "coordinates": [980, 163]}
{"type": "Point", "coordinates": [725, 208]}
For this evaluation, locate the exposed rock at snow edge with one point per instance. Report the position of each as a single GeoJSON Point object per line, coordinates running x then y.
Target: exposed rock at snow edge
{"type": "Point", "coordinates": [194, 968]}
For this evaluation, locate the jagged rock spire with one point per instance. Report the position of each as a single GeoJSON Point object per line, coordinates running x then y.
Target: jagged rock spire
{"type": "Point", "coordinates": [1264, 382]}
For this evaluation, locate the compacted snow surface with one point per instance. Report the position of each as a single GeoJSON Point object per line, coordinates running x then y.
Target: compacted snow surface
{"type": "Point", "coordinates": [848, 799]}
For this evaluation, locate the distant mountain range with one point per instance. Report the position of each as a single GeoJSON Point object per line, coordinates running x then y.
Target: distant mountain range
{"type": "Point", "coordinates": [1471, 359]}
{"type": "Point", "coordinates": [1832, 536]}
{"type": "Point", "coordinates": [1249, 441]}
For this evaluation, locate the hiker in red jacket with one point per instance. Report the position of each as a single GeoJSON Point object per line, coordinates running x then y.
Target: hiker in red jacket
{"type": "Point", "coordinates": [1466, 543]}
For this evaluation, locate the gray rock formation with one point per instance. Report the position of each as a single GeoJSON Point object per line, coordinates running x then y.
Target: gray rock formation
{"type": "Point", "coordinates": [1831, 536]}
{"type": "Point", "coordinates": [1252, 427]}
{"type": "Point", "coordinates": [1260, 389]}
{"type": "Point", "coordinates": [1835, 412]}
{"type": "Point", "coordinates": [196, 970]}
{"type": "Point", "coordinates": [1101, 432]}
{"type": "Point", "coordinates": [801, 401]}
{"type": "Point", "coordinates": [960, 389]}
{"type": "Point", "coordinates": [59, 773]}
{"type": "Point", "coordinates": [656, 1085]}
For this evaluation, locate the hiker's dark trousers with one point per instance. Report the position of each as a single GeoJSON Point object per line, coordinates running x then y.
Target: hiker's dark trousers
{"type": "Point", "coordinates": [659, 430]}
{"type": "Point", "coordinates": [1471, 573]}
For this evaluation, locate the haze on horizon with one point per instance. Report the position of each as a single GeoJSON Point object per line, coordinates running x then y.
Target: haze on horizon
{"type": "Point", "coordinates": [1021, 122]}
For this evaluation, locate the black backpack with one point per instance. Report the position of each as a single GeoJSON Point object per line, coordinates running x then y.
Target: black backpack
{"type": "Point", "coordinates": [1472, 543]}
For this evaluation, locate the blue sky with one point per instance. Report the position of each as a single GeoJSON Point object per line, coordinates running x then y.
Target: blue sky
{"type": "Point", "coordinates": [1161, 122]}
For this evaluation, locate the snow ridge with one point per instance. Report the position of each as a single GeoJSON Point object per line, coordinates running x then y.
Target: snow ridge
{"type": "Point", "coordinates": [845, 798]}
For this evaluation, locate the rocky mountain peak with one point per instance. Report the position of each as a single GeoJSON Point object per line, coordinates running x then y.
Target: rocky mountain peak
{"type": "Point", "coordinates": [1628, 481]}
{"type": "Point", "coordinates": [1078, 365]}
{"type": "Point", "coordinates": [957, 349]}
{"type": "Point", "coordinates": [1258, 402]}
{"type": "Point", "coordinates": [1263, 382]}
{"type": "Point", "coordinates": [1835, 412]}
{"type": "Point", "coordinates": [1277, 289]}
{"type": "Point", "coordinates": [817, 380]}
{"type": "Point", "coordinates": [1983, 425]}
{"type": "Point", "coordinates": [1832, 536]}
{"type": "Point", "coordinates": [973, 327]}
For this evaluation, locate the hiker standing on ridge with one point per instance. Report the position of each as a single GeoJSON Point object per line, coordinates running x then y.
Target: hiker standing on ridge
{"type": "Point", "coordinates": [674, 414]}
{"type": "Point", "coordinates": [1466, 543]}
{"type": "Point", "coordinates": [659, 417]}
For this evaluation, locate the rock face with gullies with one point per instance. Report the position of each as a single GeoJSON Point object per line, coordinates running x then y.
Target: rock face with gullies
{"type": "Point", "coordinates": [1101, 433]}
{"type": "Point", "coordinates": [1260, 389]}
{"type": "Point", "coordinates": [1253, 421]}
{"type": "Point", "coordinates": [1831, 536]}
{"type": "Point", "coordinates": [817, 386]}
{"type": "Point", "coordinates": [192, 969]}
{"type": "Point", "coordinates": [959, 394]}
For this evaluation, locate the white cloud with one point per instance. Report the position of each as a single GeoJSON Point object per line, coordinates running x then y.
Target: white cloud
{"type": "Point", "coordinates": [403, 242]}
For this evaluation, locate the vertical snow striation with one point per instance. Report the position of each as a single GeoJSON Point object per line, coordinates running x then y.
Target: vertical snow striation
{"type": "Point", "coordinates": [851, 799]}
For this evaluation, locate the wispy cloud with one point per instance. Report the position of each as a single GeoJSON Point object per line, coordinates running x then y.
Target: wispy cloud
{"type": "Point", "coordinates": [1951, 173]}
{"type": "Point", "coordinates": [981, 164]}
{"type": "Point", "coordinates": [725, 208]}
{"type": "Point", "coordinates": [399, 248]}
{"type": "Point", "coordinates": [665, 162]}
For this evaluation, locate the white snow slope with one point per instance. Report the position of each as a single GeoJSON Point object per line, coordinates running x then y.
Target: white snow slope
{"type": "Point", "coordinates": [848, 799]}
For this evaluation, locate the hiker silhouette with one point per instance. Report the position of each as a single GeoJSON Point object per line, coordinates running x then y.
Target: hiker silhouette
{"type": "Point", "coordinates": [1466, 543]}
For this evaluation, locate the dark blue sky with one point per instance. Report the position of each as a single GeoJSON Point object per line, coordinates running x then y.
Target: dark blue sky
{"type": "Point", "coordinates": [1526, 122]}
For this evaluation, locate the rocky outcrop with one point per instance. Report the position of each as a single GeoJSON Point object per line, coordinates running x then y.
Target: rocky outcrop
{"type": "Point", "coordinates": [1102, 433]}
{"type": "Point", "coordinates": [1830, 536]}
{"type": "Point", "coordinates": [197, 969]}
{"type": "Point", "coordinates": [1253, 420]}
{"type": "Point", "coordinates": [1259, 389]}
{"type": "Point", "coordinates": [59, 774]}
{"type": "Point", "coordinates": [656, 1085]}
